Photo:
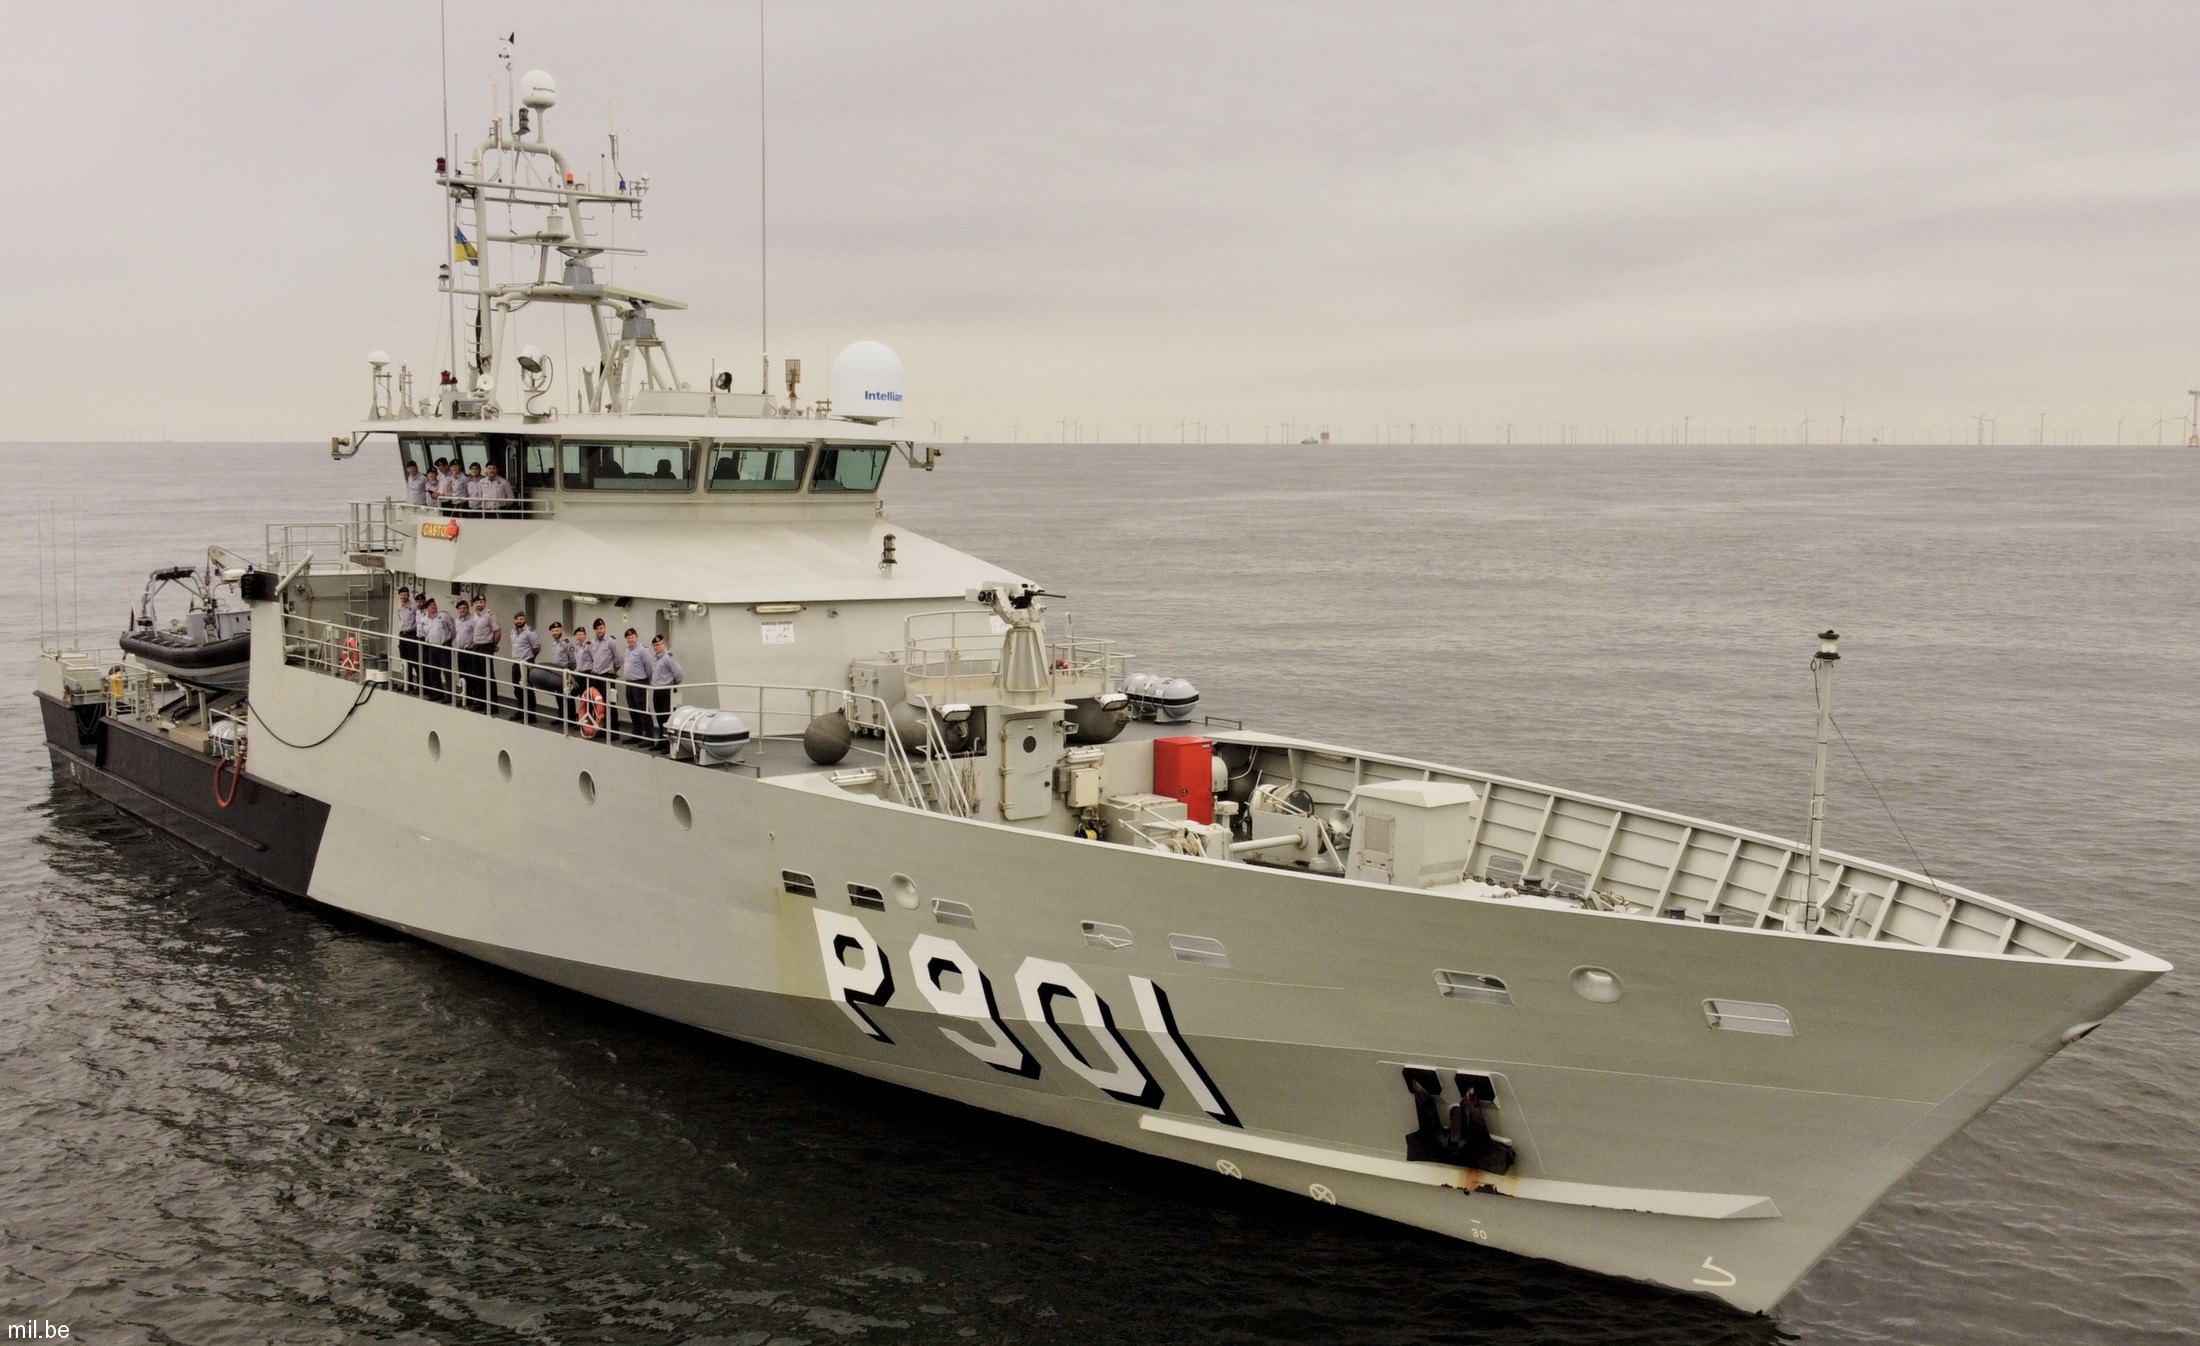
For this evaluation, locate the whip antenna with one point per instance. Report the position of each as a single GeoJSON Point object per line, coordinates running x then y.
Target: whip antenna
{"type": "Point", "coordinates": [763, 219]}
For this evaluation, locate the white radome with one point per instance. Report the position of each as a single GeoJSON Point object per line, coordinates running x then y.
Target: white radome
{"type": "Point", "coordinates": [537, 90]}
{"type": "Point", "coordinates": [867, 383]}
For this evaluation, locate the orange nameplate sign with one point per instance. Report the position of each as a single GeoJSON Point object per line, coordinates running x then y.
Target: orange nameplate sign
{"type": "Point", "coordinates": [440, 528]}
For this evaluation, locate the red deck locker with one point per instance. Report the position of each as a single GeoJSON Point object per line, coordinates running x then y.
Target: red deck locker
{"type": "Point", "coordinates": [1183, 768]}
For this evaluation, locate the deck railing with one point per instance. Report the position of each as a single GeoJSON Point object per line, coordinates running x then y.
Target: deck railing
{"type": "Point", "coordinates": [945, 655]}
{"type": "Point", "coordinates": [485, 684]}
{"type": "Point", "coordinates": [378, 527]}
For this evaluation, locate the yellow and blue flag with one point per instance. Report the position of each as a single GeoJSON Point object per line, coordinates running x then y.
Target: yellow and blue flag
{"type": "Point", "coordinates": [463, 251]}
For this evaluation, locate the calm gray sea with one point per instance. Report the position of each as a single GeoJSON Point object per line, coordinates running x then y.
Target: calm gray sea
{"type": "Point", "coordinates": [228, 1117]}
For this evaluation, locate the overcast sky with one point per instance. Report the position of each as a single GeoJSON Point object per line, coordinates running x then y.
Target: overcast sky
{"type": "Point", "coordinates": [1353, 215]}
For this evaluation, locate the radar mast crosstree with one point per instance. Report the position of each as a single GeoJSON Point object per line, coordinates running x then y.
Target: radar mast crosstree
{"type": "Point", "coordinates": [506, 170]}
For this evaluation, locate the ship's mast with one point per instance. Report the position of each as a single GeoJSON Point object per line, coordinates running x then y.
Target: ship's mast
{"type": "Point", "coordinates": [497, 174]}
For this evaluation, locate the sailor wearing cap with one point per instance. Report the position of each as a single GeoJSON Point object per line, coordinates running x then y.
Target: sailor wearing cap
{"type": "Point", "coordinates": [526, 647]}
{"type": "Point", "coordinates": [467, 662]}
{"type": "Point", "coordinates": [488, 634]}
{"type": "Point", "coordinates": [551, 665]}
{"type": "Point", "coordinates": [604, 665]}
{"type": "Point", "coordinates": [408, 634]}
{"type": "Point", "coordinates": [664, 675]}
{"type": "Point", "coordinates": [493, 493]}
{"type": "Point", "coordinates": [639, 669]}
{"type": "Point", "coordinates": [438, 632]}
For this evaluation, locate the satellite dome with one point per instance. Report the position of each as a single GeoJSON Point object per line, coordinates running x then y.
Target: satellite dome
{"type": "Point", "coordinates": [867, 383]}
{"type": "Point", "coordinates": [537, 90]}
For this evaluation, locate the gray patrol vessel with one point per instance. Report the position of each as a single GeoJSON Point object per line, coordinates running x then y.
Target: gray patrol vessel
{"type": "Point", "coordinates": [897, 818]}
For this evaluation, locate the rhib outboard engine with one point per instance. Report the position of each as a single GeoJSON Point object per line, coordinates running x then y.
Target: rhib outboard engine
{"type": "Point", "coordinates": [1154, 697]}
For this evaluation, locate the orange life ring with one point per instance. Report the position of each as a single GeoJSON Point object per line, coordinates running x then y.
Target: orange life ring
{"type": "Point", "coordinates": [348, 660]}
{"type": "Point", "coordinates": [591, 715]}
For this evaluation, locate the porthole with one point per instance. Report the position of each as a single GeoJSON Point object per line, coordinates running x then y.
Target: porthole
{"type": "Point", "coordinates": [588, 787]}
{"type": "Point", "coordinates": [504, 765]}
{"type": "Point", "coordinates": [1030, 744]}
{"type": "Point", "coordinates": [1597, 985]}
{"type": "Point", "coordinates": [904, 890]}
{"type": "Point", "coordinates": [435, 746]}
{"type": "Point", "coordinates": [681, 813]}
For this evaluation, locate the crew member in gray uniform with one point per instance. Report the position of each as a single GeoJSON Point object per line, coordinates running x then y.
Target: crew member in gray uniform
{"type": "Point", "coordinates": [526, 647]}
{"type": "Point", "coordinates": [584, 658]}
{"type": "Point", "coordinates": [408, 635]}
{"type": "Point", "coordinates": [488, 634]}
{"type": "Point", "coordinates": [418, 489]}
{"type": "Point", "coordinates": [604, 663]}
{"type": "Point", "coordinates": [438, 632]}
{"type": "Point", "coordinates": [665, 674]}
{"type": "Point", "coordinates": [467, 662]}
{"type": "Point", "coordinates": [638, 671]}
{"type": "Point", "coordinates": [549, 672]}
{"type": "Point", "coordinates": [493, 494]}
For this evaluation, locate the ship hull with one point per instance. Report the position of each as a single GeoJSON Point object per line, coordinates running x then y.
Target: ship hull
{"type": "Point", "coordinates": [1649, 1146]}
{"type": "Point", "coordinates": [269, 833]}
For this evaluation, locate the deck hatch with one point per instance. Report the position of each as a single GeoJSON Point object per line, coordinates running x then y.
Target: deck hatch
{"type": "Point", "coordinates": [1749, 1016]}
{"type": "Point", "coordinates": [864, 895]}
{"type": "Point", "coordinates": [797, 884]}
{"type": "Point", "coordinates": [1472, 986]}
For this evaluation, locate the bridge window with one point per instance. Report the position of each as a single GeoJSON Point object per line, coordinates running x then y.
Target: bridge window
{"type": "Point", "coordinates": [848, 468]}
{"type": "Point", "coordinates": [589, 466]}
{"type": "Point", "coordinates": [470, 453]}
{"type": "Point", "coordinates": [752, 467]}
{"type": "Point", "coordinates": [541, 465]}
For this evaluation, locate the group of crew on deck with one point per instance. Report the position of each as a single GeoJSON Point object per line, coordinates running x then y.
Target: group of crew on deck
{"type": "Point", "coordinates": [477, 488]}
{"type": "Point", "coordinates": [452, 657]}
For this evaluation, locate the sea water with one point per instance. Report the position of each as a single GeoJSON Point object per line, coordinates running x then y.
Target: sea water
{"type": "Point", "coordinates": [230, 1117]}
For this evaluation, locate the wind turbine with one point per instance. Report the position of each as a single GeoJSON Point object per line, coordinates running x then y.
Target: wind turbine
{"type": "Point", "coordinates": [1805, 427]}
{"type": "Point", "coordinates": [2192, 440]}
{"type": "Point", "coordinates": [2043, 430]}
